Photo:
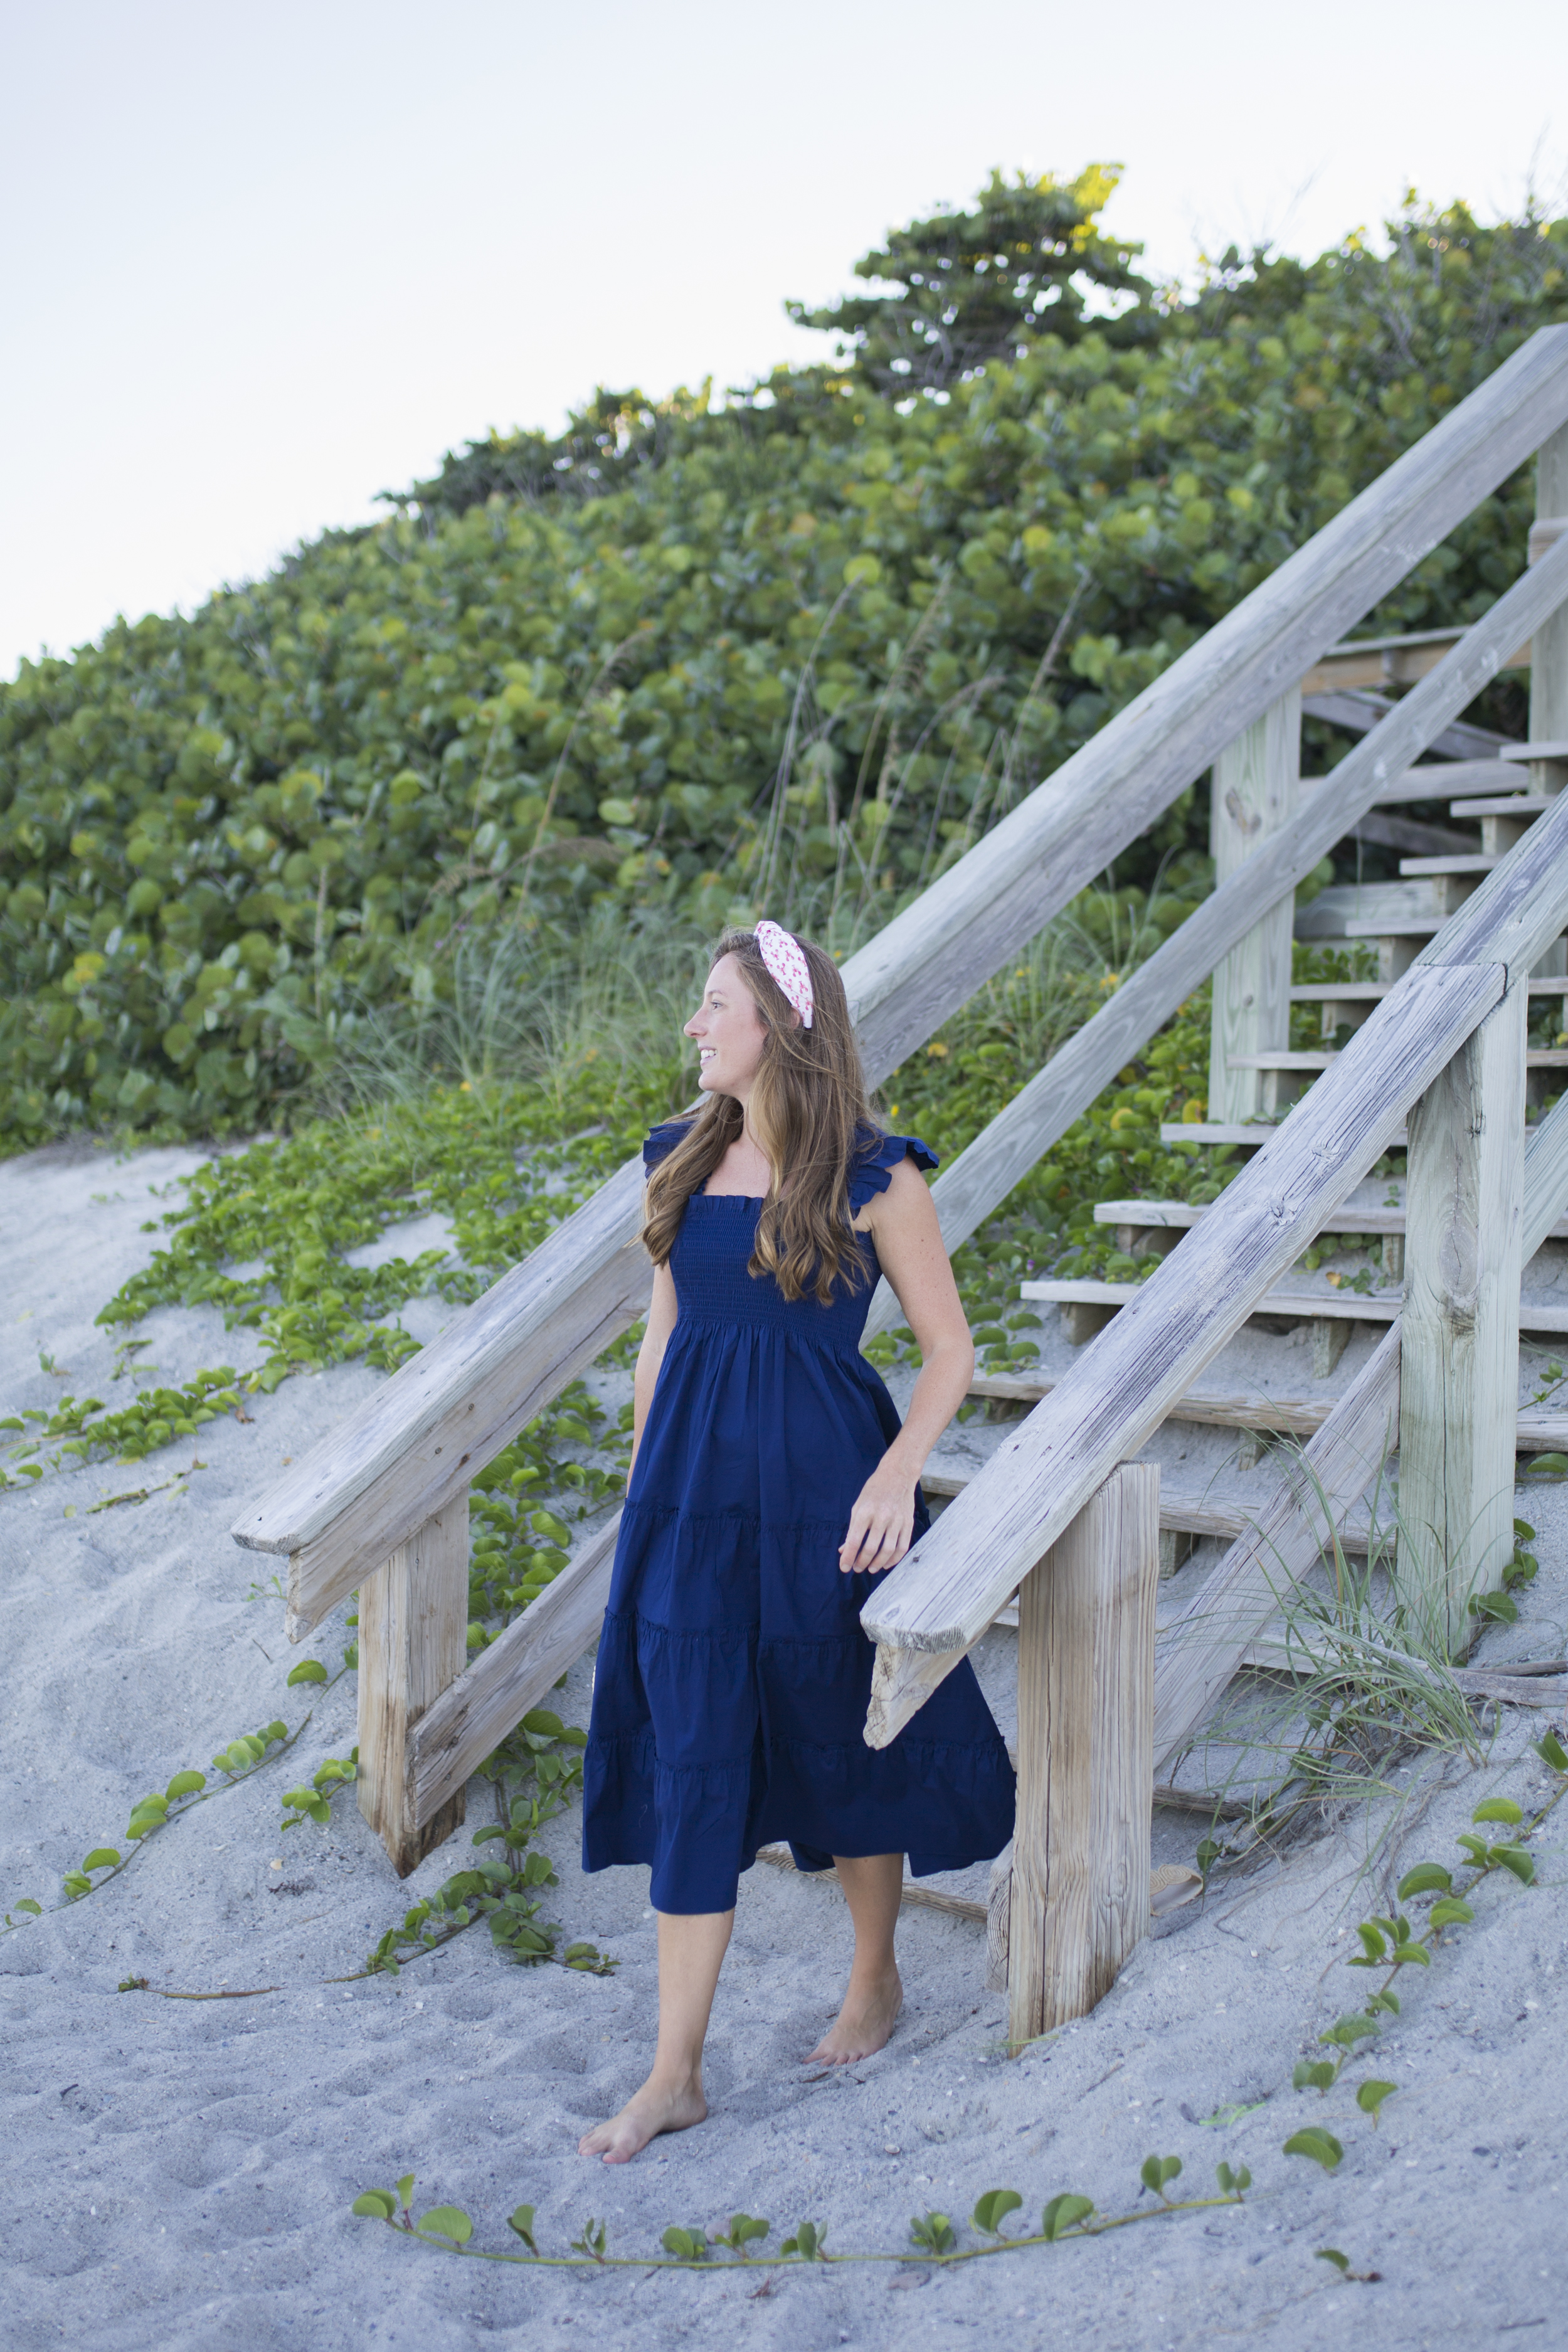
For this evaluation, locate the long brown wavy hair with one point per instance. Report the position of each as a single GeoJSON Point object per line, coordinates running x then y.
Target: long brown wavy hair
{"type": "Point", "coordinates": [809, 1113]}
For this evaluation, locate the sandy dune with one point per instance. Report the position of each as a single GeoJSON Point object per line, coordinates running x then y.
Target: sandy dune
{"type": "Point", "coordinates": [179, 2174]}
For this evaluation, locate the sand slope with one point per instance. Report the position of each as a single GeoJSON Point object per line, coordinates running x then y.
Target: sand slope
{"type": "Point", "coordinates": [179, 2174]}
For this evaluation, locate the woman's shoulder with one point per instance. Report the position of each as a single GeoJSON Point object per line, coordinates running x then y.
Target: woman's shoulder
{"type": "Point", "coordinates": [662, 1140]}
{"type": "Point", "coordinates": [877, 1154]}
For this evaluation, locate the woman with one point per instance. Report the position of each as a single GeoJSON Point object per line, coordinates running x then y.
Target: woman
{"type": "Point", "coordinates": [770, 1479]}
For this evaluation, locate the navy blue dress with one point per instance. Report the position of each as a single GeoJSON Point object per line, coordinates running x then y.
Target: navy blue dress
{"type": "Point", "coordinates": [734, 1676]}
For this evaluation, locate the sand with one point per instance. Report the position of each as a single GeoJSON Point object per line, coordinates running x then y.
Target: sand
{"type": "Point", "coordinates": [180, 2173]}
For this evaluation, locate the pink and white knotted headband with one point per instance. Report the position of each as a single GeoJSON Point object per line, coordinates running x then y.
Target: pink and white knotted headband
{"type": "Point", "coordinates": [788, 967]}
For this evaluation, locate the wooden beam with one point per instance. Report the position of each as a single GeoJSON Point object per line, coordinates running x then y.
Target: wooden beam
{"type": "Point", "coordinates": [513, 1673]}
{"type": "Point", "coordinates": [1460, 1330]}
{"type": "Point", "coordinates": [927, 962]}
{"type": "Point", "coordinates": [1014, 1143]}
{"type": "Point", "coordinates": [1356, 712]}
{"type": "Point", "coordinates": [413, 1627]}
{"type": "Point", "coordinates": [1254, 793]}
{"type": "Point", "coordinates": [1201, 1648]}
{"type": "Point", "coordinates": [927, 1612]}
{"type": "Point", "coordinates": [1079, 1900]}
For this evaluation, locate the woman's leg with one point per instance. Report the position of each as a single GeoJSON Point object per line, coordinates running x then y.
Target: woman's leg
{"type": "Point", "coordinates": [873, 1885]}
{"type": "Point", "coordinates": [692, 1947]}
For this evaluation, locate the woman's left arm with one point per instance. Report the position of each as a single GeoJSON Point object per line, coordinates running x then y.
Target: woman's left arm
{"type": "Point", "coordinates": [903, 1223]}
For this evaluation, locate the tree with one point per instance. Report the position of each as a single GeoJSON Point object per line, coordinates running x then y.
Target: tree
{"type": "Point", "coordinates": [982, 286]}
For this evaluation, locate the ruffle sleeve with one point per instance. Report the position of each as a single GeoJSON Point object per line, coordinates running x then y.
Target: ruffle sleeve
{"type": "Point", "coordinates": [662, 1141]}
{"type": "Point", "coordinates": [873, 1169]}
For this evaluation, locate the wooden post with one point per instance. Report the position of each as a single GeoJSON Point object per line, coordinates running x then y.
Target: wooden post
{"type": "Point", "coordinates": [413, 1634]}
{"type": "Point", "coordinates": [1458, 1398]}
{"type": "Point", "coordinates": [1549, 650]}
{"type": "Point", "coordinates": [1079, 1895]}
{"type": "Point", "coordinates": [1256, 786]}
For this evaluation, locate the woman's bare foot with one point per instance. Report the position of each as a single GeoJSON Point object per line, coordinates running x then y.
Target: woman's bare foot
{"type": "Point", "coordinates": [868, 2017]}
{"type": "Point", "coordinates": [648, 2111]}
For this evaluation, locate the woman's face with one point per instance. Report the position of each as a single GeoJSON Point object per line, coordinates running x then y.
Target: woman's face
{"type": "Point", "coordinates": [729, 1032]}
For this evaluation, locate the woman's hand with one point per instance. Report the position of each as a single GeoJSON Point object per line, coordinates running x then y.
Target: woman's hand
{"type": "Point", "coordinates": [882, 1523]}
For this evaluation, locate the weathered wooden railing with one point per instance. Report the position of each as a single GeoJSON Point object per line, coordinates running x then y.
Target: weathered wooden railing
{"type": "Point", "coordinates": [380, 1503]}
{"type": "Point", "coordinates": [1443, 1055]}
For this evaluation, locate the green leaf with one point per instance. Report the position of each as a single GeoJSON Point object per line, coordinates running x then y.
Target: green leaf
{"type": "Point", "coordinates": [1550, 1751]}
{"type": "Point", "coordinates": [1322, 2147]}
{"type": "Point", "coordinates": [376, 2205]}
{"type": "Point", "coordinates": [1063, 2213]}
{"type": "Point", "coordinates": [1313, 2075]}
{"type": "Point", "coordinates": [102, 1857]}
{"type": "Point", "coordinates": [545, 1522]}
{"type": "Point", "coordinates": [1374, 1941]}
{"type": "Point", "coordinates": [185, 1784]}
{"type": "Point", "coordinates": [1231, 2184]}
{"type": "Point", "coordinates": [1427, 1879]}
{"type": "Point", "coordinates": [1545, 1466]}
{"type": "Point", "coordinates": [1371, 2095]}
{"type": "Point", "coordinates": [308, 1670]}
{"type": "Point", "coordinates": [521, 2222]}
{"type": "Point", "coordinates": [1515, 1858]}
{"type": "Point", "coordinates": [993, 2208]}
{"type": "Point", "coordinates": [746, 2228]}
{"type": "Point", "coordinates": [406, 2190]}
{"type": "Point", "coordinates": [686, 2245]}
{"type": "Point", "coordinates": [26, 1903]}
{"type": "Point", "coordinates": [448, 2221]}
{"type": "Point", "coordinates": [1499, 1809]}
{"type": "Point", "coordinates": [1157, 2169]}
{"type": "Point", "coordinates": [1342, 2263]}
{"type": "Point", "coordinates": [807, 2241]}
{"type": "Point", "coordinates": [76, 1886]}
{"type": "Point", "coordinates": [933, 2232]}
{"type": "Point", "coordinates": [1346, 2031]}
{"type": "Point", "coordinates": [1452, 1912]}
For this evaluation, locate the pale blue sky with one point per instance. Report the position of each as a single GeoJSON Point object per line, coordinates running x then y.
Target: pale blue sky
{"type": "Point", "coordinates": [261, 263]}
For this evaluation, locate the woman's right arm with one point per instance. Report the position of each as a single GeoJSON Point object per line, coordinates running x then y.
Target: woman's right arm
{"type": "Point", "coordinates": [661, 1317]}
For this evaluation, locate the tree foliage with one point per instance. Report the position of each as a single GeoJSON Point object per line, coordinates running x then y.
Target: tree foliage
{"type": "Point", "coordinates": [977, 286]}
{"type": "Point", "coordinates": [795, 653]}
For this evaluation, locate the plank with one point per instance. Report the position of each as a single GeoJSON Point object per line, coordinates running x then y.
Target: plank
{"type": "Point", "coordinates": [1459, 1362]}
{"type": "Point", "coordinates": [514, 1672]}
{"type": "Point", "coordinates": [483, 1396]}
{"type": "Point", "coordinates": [413, 1627]}
{"type": "Point", "coordinates": [1357, 710]}
{"type": "Point", "coordinates": [1182, 1511]}
{"type": "Point", "coordinates": [1351, 1306]}
{"type": "Point", "coordinates": [943, 1595]}
{"type": "Point", "coordinates": [1202, 1648]}
{"type": "Point", "coordinates": [1353, 1217]}
{"type": "Point", "coordinates": [1079, 1897]}
{"type": "Point", "coordinates": [1042, 1111]}
{"type": "Point", "coordinates": [1549, 676]}
{"type": "Point", "coordinates": [1255, 791]}
{"type": "Point", "coordinates": [1522, 906]}
{"type": "Point", "coordinates": [1373, 661]}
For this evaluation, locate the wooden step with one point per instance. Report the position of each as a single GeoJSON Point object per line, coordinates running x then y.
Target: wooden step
{"type": "Point", "coordinates": [1436, 782]}
{"type": "Point", "coordinates": [1252, 1136]}
{"type": "Point", "coordinates": [1557, 748]}
{"type": "Point", "coordinates": [1539, 1432]}
{"type": "Point", "coordinates": [1473, 862]}
{"type": "Point", "coordinates": [1349, 1218]}
{"type": "Point", "coordinates": [1372, 991]}
{"type": "Point", "coordinates": [1188, 1513]}
{"type": "Point", "coordinates": [1513, 804]}
{"type": "Point", "coordinates": [1537, 1057]}
{"type": "Point", "coordinates": [1300, 1306]}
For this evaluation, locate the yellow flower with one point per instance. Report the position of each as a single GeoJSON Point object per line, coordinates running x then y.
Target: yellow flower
{"type": "Point", "coordinates": [937, 1050]}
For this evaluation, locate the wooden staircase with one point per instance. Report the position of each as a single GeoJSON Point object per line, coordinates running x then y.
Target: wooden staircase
{"type": "Point", "coordinates": [1060, 1513]}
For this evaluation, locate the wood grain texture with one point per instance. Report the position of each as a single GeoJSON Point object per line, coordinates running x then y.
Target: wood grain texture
{"type": "Point", "coordinates": [1202, 1648]}
{"type": "Point", "coordinates": [1079, 1897]}
{"type": "Point", "coordinates": [1460, 1328]}
{"type": "Point", "coordinates": [1014, 1143]}
{"type": "Point", "coordinates": [1548, 672]}
{"type": "Point", "coordinates": [1254, 793]}
{"type": "Point", "coordinates": [943, 1595]}
{"type": "Point", "coordinates": [506, 1386]}
{"type": "Point", "coordinates": [515, 1673]}
{"type": "Point", "coordinates": [413, 1627]}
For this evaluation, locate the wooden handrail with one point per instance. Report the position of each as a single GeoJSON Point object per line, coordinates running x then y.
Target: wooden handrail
{"type": "Point", "coordinates": [983, 1175]}
{"type": "Point", "coordinates": [368, 1484]}
{"type": "Point", "coordinates": [935, 1604]}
